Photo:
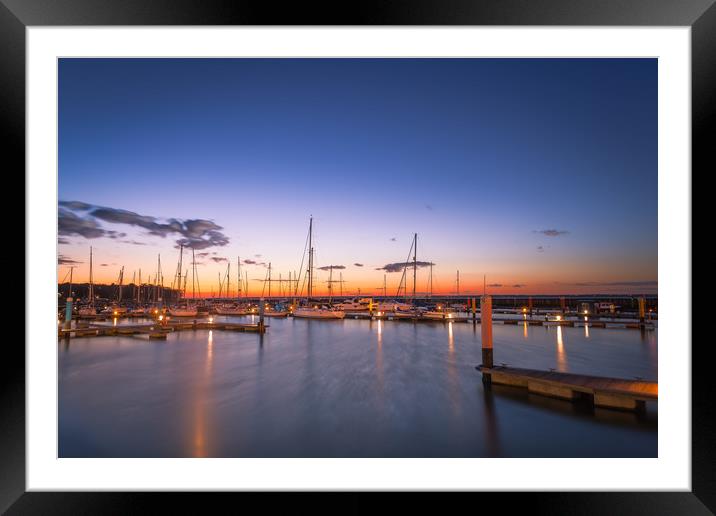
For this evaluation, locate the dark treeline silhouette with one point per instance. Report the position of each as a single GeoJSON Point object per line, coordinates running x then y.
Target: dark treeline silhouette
{"type": "Point", "coordinates": [110, 292]}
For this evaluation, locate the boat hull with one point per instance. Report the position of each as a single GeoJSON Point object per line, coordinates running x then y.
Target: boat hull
{"type": "Point", "coordinates": [183, 313]}
{"type": "Point", "coordinates": [319, 314]}
{"type": "Point", "coordinates": [230, 311]}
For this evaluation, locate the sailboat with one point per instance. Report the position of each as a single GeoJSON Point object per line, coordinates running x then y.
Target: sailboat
{"type": "Point", "coordinates": [90, 309]}
{"type": "Point", "coordinates": [186, 310]}
{"type": "Point", "coordinates": [316, 311]}
{"type": "Point", "coordinates": [404, 309]}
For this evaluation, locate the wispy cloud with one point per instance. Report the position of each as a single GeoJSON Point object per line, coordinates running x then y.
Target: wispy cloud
{"type": "Point", "coordinates": [195, 233]}
{"type": "Point", "coordinates": [249, 261]}
{"type": "Point", "coordinates": [329, 267]}
{"type": "Point", "coordinates": [393, 239]}
{"type": "Point", "coordinates": [358, 264]}
{"type": "Point", "coordinates": [64, 260]}
{"type": "Point", "coordinates": [399, 266]}
{"type": "Point", "coordinates": [552, 232]}
{"type": "Point", "coordinates": [218, 259]}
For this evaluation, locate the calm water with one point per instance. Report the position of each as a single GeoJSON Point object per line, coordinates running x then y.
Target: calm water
{"type": "Point", "coordinates": [345, 389]}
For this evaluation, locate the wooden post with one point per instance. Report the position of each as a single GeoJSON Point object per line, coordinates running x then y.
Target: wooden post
{"type": "Point", "coordinates": [261, 315]}
{"type": "Point", "coordinates": [486, 333]}
{"type": "Point", "coordinates": [642, 310]}
{"type": "Point", "coordinates": [68, 313]}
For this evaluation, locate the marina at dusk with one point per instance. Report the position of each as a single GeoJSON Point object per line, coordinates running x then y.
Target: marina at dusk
{"type": "Point", "coordinates": [357, 258]}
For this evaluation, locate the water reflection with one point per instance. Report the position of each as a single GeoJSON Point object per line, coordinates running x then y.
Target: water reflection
{"type": "Point", "coordinates": [492, 436]}
{"type": "Point", "coordinates": [201, 403]}
{"type": "Point", "coordinates": [452, 373]}
{"type": "Point", "coordinates": [316, 389]}
{"type": "Point", "coordinates": [379, 356]}
{"type": "Point", "coordinates": [451, 338]}
{"type": "Point", "coordinates": [525, 334]}
{"type": "Point", "coordinates": [561, 354]}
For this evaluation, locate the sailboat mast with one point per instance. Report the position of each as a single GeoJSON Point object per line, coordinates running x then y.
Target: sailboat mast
{"type": "Point", "coordinates": [121, 281]}
{"type": "Point", "coordinates": [310, 260]}
{"type": "Point", "coordinates": [157, 294]}
{"type": "Point", "coordinates": [330, 284]}
{"type": "Point", "coordinates": [193, 274]}
{"type": "Point", "coordinates": [238, 276]}
{"type": "Point", "coordinates": [181, 253]}
{"type": "Point", "coordinates": [431, 279]}
{"type": "Point", "coordinates": [91, 289]}
{"type": "Point", "coordinates": [415, 263]}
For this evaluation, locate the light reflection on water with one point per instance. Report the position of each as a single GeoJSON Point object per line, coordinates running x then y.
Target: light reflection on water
{"type": "Point", "coordinates": [347, 389]}
{"type": "Point", "coordinates": [561, 354]}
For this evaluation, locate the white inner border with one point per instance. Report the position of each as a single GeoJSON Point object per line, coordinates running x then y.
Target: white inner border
{"type": "Point", "coordinates": [672, 470]}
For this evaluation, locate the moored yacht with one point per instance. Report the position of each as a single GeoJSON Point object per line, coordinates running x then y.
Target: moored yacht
{"type": "Point", "coordinates": [231, 310]}
{"type": "Point", "coordinates": [318, 313]}
{"type": "Point", "coordinates": [183, 311]}
{"type": "Point", "coordinates": [353, 305]}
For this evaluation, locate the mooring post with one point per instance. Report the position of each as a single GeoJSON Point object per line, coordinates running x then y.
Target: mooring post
{"type": "Point", "coordinates": [261, 315]}
{"type": "Point", "coordinates": [486, 333]}
{"type": "Point", "coordinates": [642, 310]}
{"type": "Point", "coordinates": [68, 313]}
{"type": "Point", "coordinates": [474, 311]}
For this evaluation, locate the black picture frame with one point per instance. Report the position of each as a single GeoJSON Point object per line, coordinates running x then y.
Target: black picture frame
{"type": "Point", "coordinates": [16, 15]}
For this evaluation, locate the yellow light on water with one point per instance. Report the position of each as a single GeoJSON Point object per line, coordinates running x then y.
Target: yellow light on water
{"type": "Point", "coordinates": [211, 319]}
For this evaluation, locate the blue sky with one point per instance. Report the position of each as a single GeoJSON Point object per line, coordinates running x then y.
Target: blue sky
{"type": "Point", "coordinates": [480, 157]}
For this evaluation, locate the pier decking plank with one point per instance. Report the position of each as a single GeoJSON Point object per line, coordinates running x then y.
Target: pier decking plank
{"type": "Point", "coordinates": [636, 389]}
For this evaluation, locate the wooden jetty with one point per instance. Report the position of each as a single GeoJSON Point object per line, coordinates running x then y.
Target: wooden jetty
{"type": "Point", "coordinates": [156, 330]}
{"type": "Point", "coordinates": [616, 393]}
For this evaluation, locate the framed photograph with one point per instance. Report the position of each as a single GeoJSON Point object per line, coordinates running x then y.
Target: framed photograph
{"type": "Point", "coordinates": [428, 247]}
